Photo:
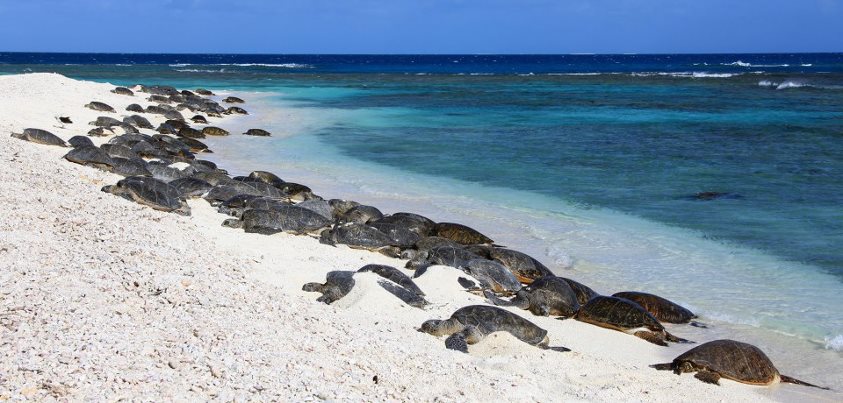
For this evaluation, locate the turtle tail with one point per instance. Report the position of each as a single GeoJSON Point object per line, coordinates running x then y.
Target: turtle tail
{"type": "Point", "coordinates": [787, 379]}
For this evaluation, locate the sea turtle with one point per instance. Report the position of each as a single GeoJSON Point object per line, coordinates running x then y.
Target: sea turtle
{"type": "Point", "coordinates": [235, 110]}
{"type": "Point", "coordinates": [191, 133]}
{"type": "Point", "coordinates": [99, 106]}
{"type": "Point", "coordinates": [191, 187]}
{"type": "Point", "coordinates": [663, 309]}
{"type": "Point", "coordinates": [161, 99]}
{"type": "Point", "coordinates": [166, 173]}
{"type": "Point", "coordinates": [625, 316]}
{"type": "Point", "coordinates": [202, 91]}
{"type": "Point", "coordinates": [138, 121]}
{"type": "Point", "coordinates": [100, 132]}
{"type": "Point", "coordinates": [549, 295]}
{"type": "Point", "coordinates": [121, 150]}
{"type": "Point", "coordinates": [266, 177]}
{"type": "Point", "coordinates": [105, 121]}
{"type": "Point", "coordinates": [470, 324]}
{"type": "Point", "coordinates": [80, 141]}
{"type": "Point", "coordinates": [740, 362]}
{"type": "Point", "coordinates": [40, 136]}
{"type": "Point", "coordinates": [358, 236]}
{"type": "Point", "coordinates": [90, 156]}
{"type": "Point", "coordinates": [194, 146]}
{"type": "Point", "coordinates": [318, 206]}
{"type": "Point", "coordinates": [127, 128]}
{"type": "Point", "coordinates": [460, 234]}
{"type": "Point", "coordinates": [360, 214]}
{"type": "Point", "coordinates": [130, 167]}
{"type": "Point", "coordinates": [257, 132]}
{"type": "Point", "coordinates": [523, 266]}
{"type": "Point", "coordinates": [340, 206]}
{"type": "Point", "coordinates": [214, 131]}
{"type": "Point", "coordinates": [419, 224]}
{"type": "Point", "coordinates": [135, 108]}
{"type": "Point", "coordinates": [584, 293]}
{"type": "Point", "coordinates": [150, 192]}
{"type": "Point", "coordinates": [233, 100]}
{"type": "Point", "coordinates": [236, 205]}
{"type": "Point", "coordinates": [453, 256]}
{"type": "Point", "coordinates": [199, 119]}
{"type": "Point", "coordinates": [215, 178]}
{"type": "Point", "coordinates": [337, 285]}
{"type": "Point", "coordinates": [295, 191]}
{"type": "Point", "coordinates": [292, 219]}
{"type": "Point", "coordinates": [174, 115]}
{"type": "Point", "coordinates": [123, 91]}
{"type": "Point", "coordinates": [400, 235]}
{"type": "Point", "coordinates": [392, 274]}
{"type": "Point", "coordinates": [156, 109]}
{"type": "Point", "coordinates": [162, 90]}
{"type": "Point", "coordinates": [492, 276]}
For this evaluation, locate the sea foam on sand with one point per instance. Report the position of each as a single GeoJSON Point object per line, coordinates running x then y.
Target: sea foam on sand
{"type": "Point", "coordinates": [102, 298]}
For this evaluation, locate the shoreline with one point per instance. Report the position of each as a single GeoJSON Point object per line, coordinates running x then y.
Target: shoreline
{"type": "Point", "coordinates": [230, 320]}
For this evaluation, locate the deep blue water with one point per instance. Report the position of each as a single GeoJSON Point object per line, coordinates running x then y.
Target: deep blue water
{"type": "Point", "coordinates": [634, 134]}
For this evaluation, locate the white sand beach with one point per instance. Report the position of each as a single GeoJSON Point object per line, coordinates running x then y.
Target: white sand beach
{"type": "Point", "coordinates": [104, 299]}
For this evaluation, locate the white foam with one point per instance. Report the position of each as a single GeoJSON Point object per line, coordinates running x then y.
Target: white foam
{"type": "Point", "coordinates": [737, 63]}
{"type": "Point", "coordinates": [834, 343]}
{"type": "Point", "coordinates": [767, 83]}
{"type": "Point", "coordinates": [284, 65]}
{"type": "Point", "coordinates": [791, 84]}
{"type": "Point", "coordinates": [807, 65]}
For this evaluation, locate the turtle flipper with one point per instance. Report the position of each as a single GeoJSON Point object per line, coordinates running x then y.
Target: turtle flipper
{"type": "Point", "coordinates": [671, 338]}
{"type": "Point", "coordinates": [708, 377]}
{"type": "Point", "coordinates": [652, 337]}
{"type": "Point", "coordinates": [787, 379]}
{"type": "Point", "coordinates": [457, 342]}
{"type": "Point", "coordinates": [466, 283]}
{"type": "Point", "coordinates": [698, 324]}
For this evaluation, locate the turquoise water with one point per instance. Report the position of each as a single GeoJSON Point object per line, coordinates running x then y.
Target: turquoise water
{"type": "Point", "coordinates": [593, 174]}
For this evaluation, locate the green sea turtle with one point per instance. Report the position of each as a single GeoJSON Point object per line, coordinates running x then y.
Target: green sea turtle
{"type": "Point", "coordinates": [99, 106]}
{"type": "Point", "coordinates": [191, 187]}
{"type": "Point", "coordinates": [337, 285]}
{"type": "Point", "coordinates": [460, 234]}
{"type": "Point", "coordinates": [215, 178]}
{"type": "Point", "coordinates": [392, 274]}
{"type": "Point", "coordinates": [40, 136]}
{"type": "Point", "coordinates": [190, 132]}
{"type": "Point", "coordinates": [214, 131]}
{"type": "Point", "coordinates": [549, 295]}
{"type": "Point", "coordinates": [419, 224]}
{"type": "Point", "coordinates": [740, 362]}
{"type": "Point", "coordinates": [159, 99]}
{"type": "Point", "coordinates": [138, 121]}
{"type": "Point", "coordinates": [105, 121]}
{"type": "Point", "coordinates": [625, 316]}
{"type": "Point", "coordinates": [174, 115]}
{"type": "Point", "coordinates": [123, 91]}
{"type": "Point", "coordinates": [340, 206]}
{"type": "Point", "coordinates": [523, 266]}
{"type": "Point", "coordinates": [318, 206]}
{"type": "Point", "coordinates": [100, 132]}
{"type": "Point", "coordinates": [400, 235]}
{"type": "Point", "coordinates": [584, 293]}
{"type": "Point", "coordinates": [360, 214]}
{"type": "Point", "coordinates": [257, 132]}
{"type": "Point", "coordinates": [663, 309]}
{"type": "Point", "coordinates": [453, 256]}
{"type": "Point", "coordinates": [359, 236]}
{"type": "Point", "coordinates": [202, 91]}
{"type": "Point", "coordinates": [233, 100]}
{"type": "Point", "coordinates": [90, 156]}
{"type": "Point", "coordinates": [266, 177]}
{"type": "Point", "coordinates": [199, 119]}
{"type": "Point", "coordinates": [236, 205]}
{"type": "Point", "coordinates": [194, 146]}
{"type": "Point", "coordinates": [119, 150]}
{"type": "Point", "coordinates": [236, 110]}
{"type": "Point", "coordinates": [291, 219]}
{"type": "Point", "coordinates": [166, 173]}
{"type": "Point", "coordinates": [130, 167]}
{"type": "Point", "coordinates": [135, 108]}
{"type": "Point", "coordinates": [80, 141]}
{"type": "Point", "coordinates": [492, 276]}
{"type": "Point", "coordinates": [150, 192]}
{"type": "Point", "coordinates": [157, 109]}
{"type": "Point", "coordinates": [470, 324]}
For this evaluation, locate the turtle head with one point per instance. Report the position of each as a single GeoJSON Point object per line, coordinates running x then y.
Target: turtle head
{"type": "Point", "coordinates": [233, 223]}
{"type": "Point", "coordinates": [109, 188]}
{"type": "Point", "coordinates": [327, 237]}
{"type": "Point", "coordinates": [433, 326]}
{"type": "Point", "coordinates": [312, 287]}
{"type": "Point", "coordinates": [17, 135]}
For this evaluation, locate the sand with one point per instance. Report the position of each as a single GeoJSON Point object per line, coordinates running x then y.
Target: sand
{"type": "Point", "coordinates": [104, 299]}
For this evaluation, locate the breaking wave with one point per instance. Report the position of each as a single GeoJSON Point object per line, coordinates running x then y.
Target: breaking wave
{"type": "Point", "coordinates": [834, 343]}
{"type": "Point", "coordinates": [282, 65]}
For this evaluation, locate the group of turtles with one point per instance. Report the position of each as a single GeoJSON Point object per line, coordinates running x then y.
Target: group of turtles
{"type": "Point", "coordinates": [162, 172]}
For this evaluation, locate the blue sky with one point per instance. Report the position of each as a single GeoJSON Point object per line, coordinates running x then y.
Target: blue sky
{"type": "Point", "coordinates": [422, 26]}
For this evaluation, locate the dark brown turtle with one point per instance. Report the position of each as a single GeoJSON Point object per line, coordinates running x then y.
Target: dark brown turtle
{"type": "Point", "coordinates": [421, 225]}
{"type": "Point", "coordinates": [460, 234]}
{"type": "Point", "coordinates": [40, 136]}
{"type": "Point", "coordinates": [99, 106]}
{"type": "Point", "coordinates": [135, 108]}
{"type": "Point", "coordinates": [236, 110]}
{"type": "Point", "coordinates": [257, 132]}
{"type": "Point", "coordinates": [80, 141]}
{"type": "Point", "coordinates": [233, 100]}
{"type": "Point", "coordinates": [190, 132]}
{"type": "Point", "coordinates": [493, 277]}
{"type": "Point", "coordinates": [292, 219]}
{"type": "Point", "coordinates": [360, 214]}
{"type": "Point", "coordinates": [663, 309]}
{"type": "Point", "coordinates": [100, 132]}
{"type": "Point", "coordinates": [202, 91]}
{"type": "Point", "coordinates": [740, 362]}
{"type": "Point", "coordinates": [151, 192]}
{"type": "Point", "coordinates": [359, 236]}
{"type": "Point", "coordinates": [549, 295]}
{"type": "Point", "coordinates": [337, 285]}
{"type": "Point", "coordinates": [625, 316]}
{"type": "Point", "coordinates": [214, 131]}
{"type": "Point", "coordinates": [525, 268]}
{"type": "Point", "coordinates": [470, 324]}
{"type": "Point", "coordinates": [138, 121]}
{"type": "Point", "coordinates": [90, 156]}
{"type": "Point", "coordinates": [199, 119]}
{"type": "Point", "coordinates": [123, 91]}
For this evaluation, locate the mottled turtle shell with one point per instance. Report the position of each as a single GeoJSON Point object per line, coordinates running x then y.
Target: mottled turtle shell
{"type": "Point", "coordinates": [523, 266]}
{"type": "Point", "coordinates": [460, 233]}
{"type": "Point", "coordinates": [617, 313]}
{"type": "Point", "coordinates": [290, 219]}
{"type": "Point", "coordinates": [733, 360]}
{"type": "Point", "coordinates": [663, 309]}
{"type": "Point", "coordinates": [99, 106]}
{"type": "Point", "coordinates": [493, 276]}
{"type": "Point", "coordinates": [489, 319]}
{"type": "Point", "coordinates": [550, 295]}
{"type": "Point", "coordinates": [584, 293]}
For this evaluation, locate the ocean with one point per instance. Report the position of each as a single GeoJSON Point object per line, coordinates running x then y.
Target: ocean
{"type": "Point", "coordinates": [713, 180]}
